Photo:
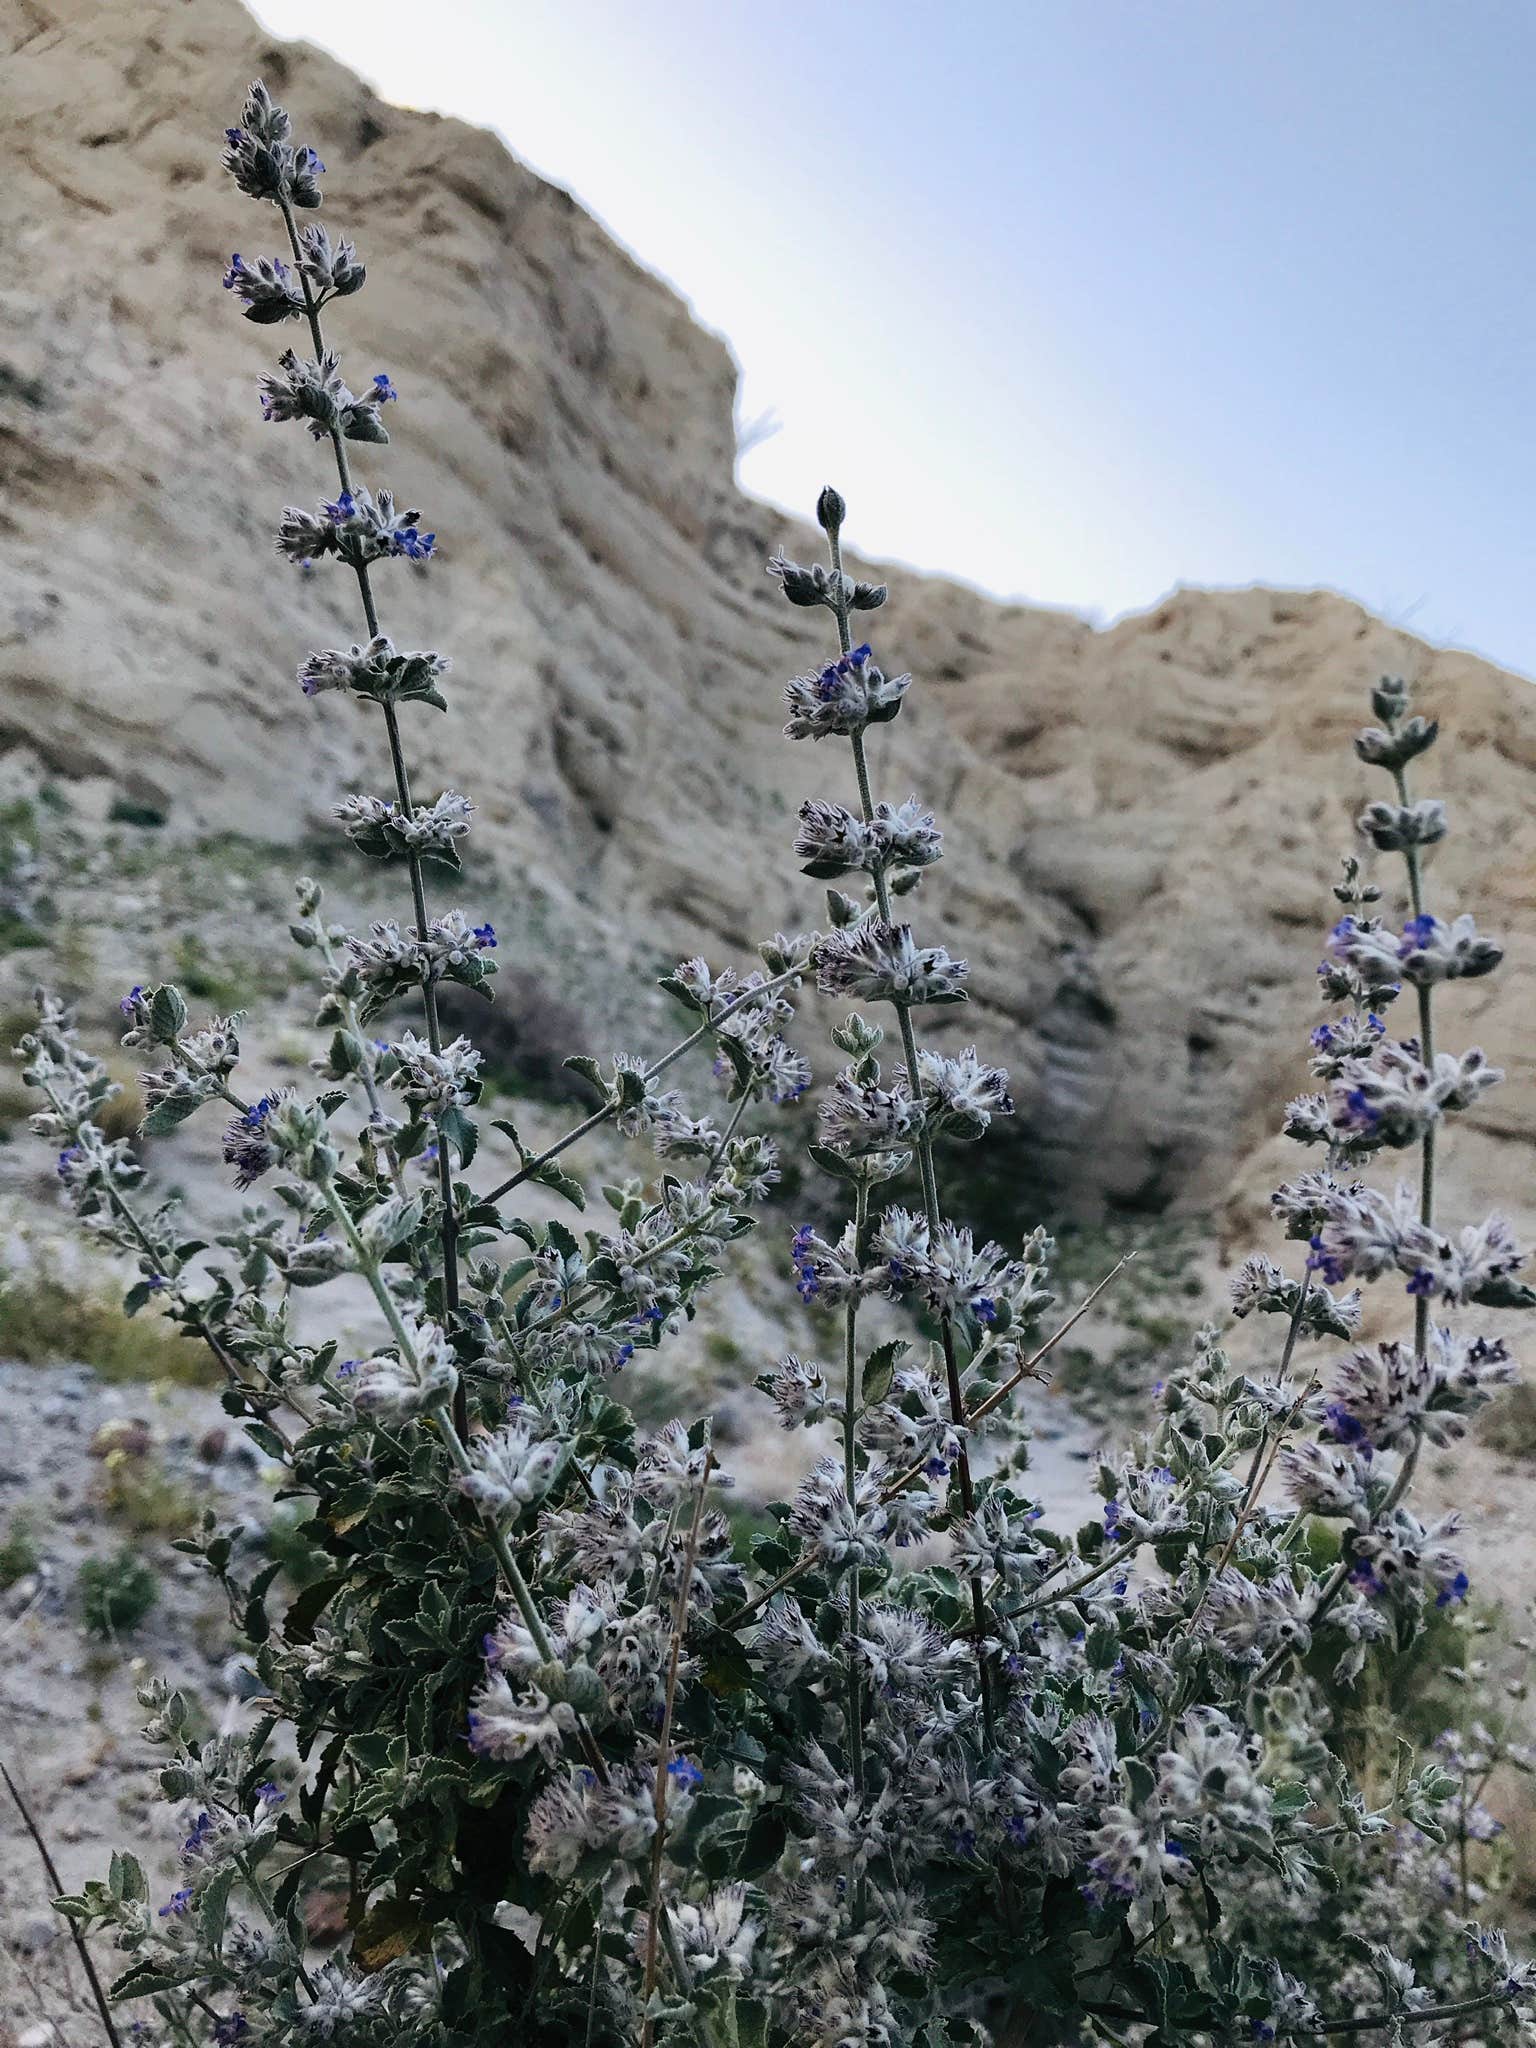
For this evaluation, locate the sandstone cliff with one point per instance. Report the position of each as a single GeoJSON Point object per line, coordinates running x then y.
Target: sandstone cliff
{"type": "Point", "coordinates": [1142, 823]}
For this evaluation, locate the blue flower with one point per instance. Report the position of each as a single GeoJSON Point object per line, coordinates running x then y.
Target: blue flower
{"type": "Point", "coordinates": [685, 1771]}
{"type": "Point", "coordinates": [1362, 1114]}
{"type": "Point", "coordinates": [1454, 1589]}
{"type": "Point", "coordinates": [984, 1309]}
{"type": "Point", "coordinates": [246, 1146]}
{"type": "Point", "coordinates": [412, 543]}
{"type": "Point", "coordinates": [270, 1794]}
{"type": "Point", "coordinates": [383, 390]}
{"type": "Point", "coordinates": [485, 935]}
{"type": "Point", "coordinates": [232, 2028]}
{"type": "Point", "coordinates": [341, 509]}
{"type": "Point", "coordinates": [176, 1904]}
{"type": "Point", "coordinates": [197, 1841]}
{"type": "Point", "coordinates": [1329, 1264]}
{"type": "Point", "coordinates": [807, 1286]}
{"type": "Point", "coordinates": [1343, 1427]}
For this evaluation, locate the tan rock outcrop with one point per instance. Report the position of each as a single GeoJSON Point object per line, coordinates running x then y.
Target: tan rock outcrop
{"type": "Point", "coordinates": [1142, 822]}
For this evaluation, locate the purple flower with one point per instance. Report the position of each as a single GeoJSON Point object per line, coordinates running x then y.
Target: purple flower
{"type": "Point", "coordinates": [1363, 1115]}
{"type": "Point", "coordinates": [1343, 1427]}
{"type": "Point", "coordinates": [1332, 1267]}
{"type": "Point", "coordinates": [270, 1794]}
{"type": "Point", "coordinates": [246, 1146]}
{"type": "Point", "coordinates": [1453, 1589]}
{"type": "Point", "coordinates": [984, 1309]}
{"type": "Point", "coordinates": [485, 935]}
{"type": "Point", "coordinates": [130, 1002]}
{"type": "Point", "coordinates": [198, 1840]}
{"type": "Point", "coordinates": [232, 2028]}
{"type": "Point", "coordinates": [383, 390]}
{"type": "Point", "coordinates": [176, 1904]}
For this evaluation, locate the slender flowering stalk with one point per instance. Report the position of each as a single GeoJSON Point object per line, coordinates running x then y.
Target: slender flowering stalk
{"type": "Point", "coordinates": [1400, 828]}
{"type": "Point", "coordinates": [333, 428]}
{"type": "Point", "coordinates": [665, 1760]}
{"type": "Point", "coordinates": [830, 513]}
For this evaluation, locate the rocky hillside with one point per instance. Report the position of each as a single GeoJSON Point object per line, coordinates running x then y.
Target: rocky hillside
{"type": "Point", "coordinates": [1142, 823]}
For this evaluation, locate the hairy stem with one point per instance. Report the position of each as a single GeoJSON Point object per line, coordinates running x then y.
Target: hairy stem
{"type": "Point", "coordinates": [850, 1482]}
{"type": "Point", "coordinates": [530, 1167]}
{"type": "Point", "coordinates": [742, 1615]}
{"type": "Point", "coordinates": [50, 1871]}
{"type": "Point", "coordinates": [654, 1914]}
{"type": "Point", "coordinates": [450, 1220]}
{"type": "Point", "coordinates": [929, 1177]}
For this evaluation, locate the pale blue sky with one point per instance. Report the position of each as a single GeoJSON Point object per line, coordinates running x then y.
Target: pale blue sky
{"type": "Point", "coordinates": [1077, 298]}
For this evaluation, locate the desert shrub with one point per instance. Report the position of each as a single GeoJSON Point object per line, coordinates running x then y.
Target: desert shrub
{"type": "Point", "coordinates": [25, 910]}
{"type": "Point", "coordinates": [140, 1494]}
{"type": "Point", "coordinates": [1511, 1426]}
{"type": "Point", "coordinates": [47, 1319]}
{"type": "Point", "coordinates": [583, 1773]}
{"type": "Point", "coordinates": [208, 979]}
{"type": "Point", "coordinates": [19, 1555]}
{"type": "Point", "coordinates": [117, 1592]}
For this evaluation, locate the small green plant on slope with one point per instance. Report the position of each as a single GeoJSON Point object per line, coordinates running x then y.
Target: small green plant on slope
{"type": "Point", "coordinates": [117, 1592]}
{"type": "Point", "coordinates": [585, 1776]}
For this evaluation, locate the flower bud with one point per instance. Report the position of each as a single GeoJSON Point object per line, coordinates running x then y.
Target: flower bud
{"type": "Point", "coordinates": [1389, 699]}
{"type": "Point", "coordinates": [831, 510]}
{"type": "Point", "coordinates": [1396, 749]}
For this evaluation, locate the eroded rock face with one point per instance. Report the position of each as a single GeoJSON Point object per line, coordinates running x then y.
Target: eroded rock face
{"type": "Point", "coordinates": [1142, 823]}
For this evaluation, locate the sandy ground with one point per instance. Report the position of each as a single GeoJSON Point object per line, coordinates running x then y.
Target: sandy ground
{"type": "Point", "coordinates": [69, 1721]}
